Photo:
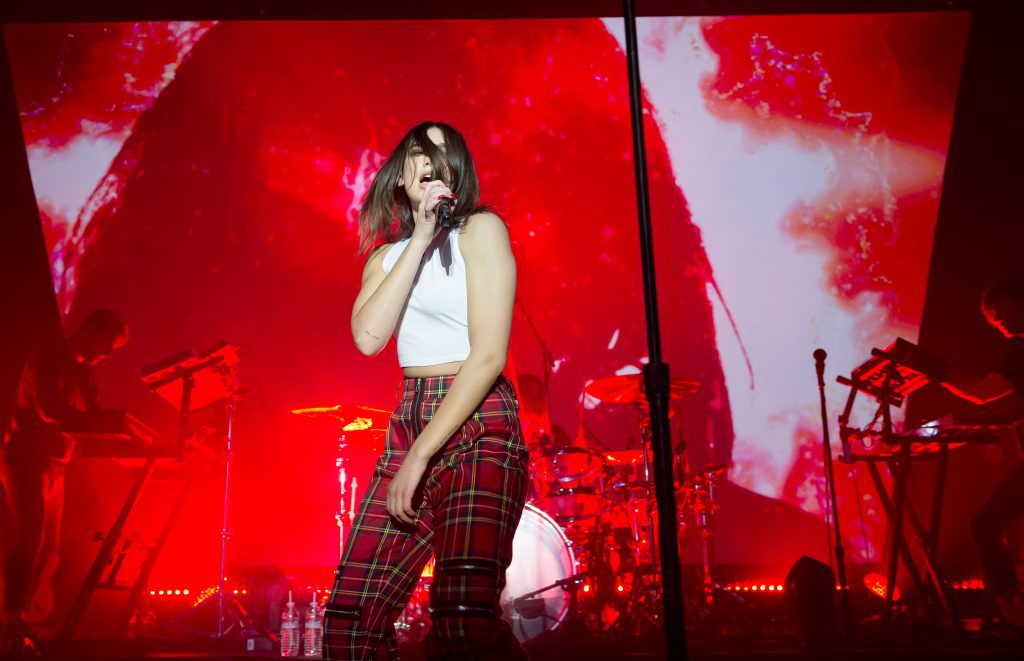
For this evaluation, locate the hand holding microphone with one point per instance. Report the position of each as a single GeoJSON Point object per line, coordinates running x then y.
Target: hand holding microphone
{"type": "Point", "coordinates": [444, 211]}
{"type": "Point", "coordinates": [439, 199]}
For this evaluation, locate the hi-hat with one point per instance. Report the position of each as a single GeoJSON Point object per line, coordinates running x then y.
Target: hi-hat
{"type": "Point", "coordinates": [629, 389]}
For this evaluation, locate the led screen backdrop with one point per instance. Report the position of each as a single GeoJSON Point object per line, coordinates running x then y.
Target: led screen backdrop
{"type": "Point", "coordinates": [204, 179]}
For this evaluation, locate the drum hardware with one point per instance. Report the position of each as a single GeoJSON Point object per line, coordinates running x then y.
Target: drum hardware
{"type": "Point", "coordinates": [361, 426]}
{"type": "Point", "coordinates": [542, 560]}
{"type": "Point", "coordinates": [542, 556]}
{"type": "Point", "coordinates": [571, 464]}
{"type": "Point", "coordinates": [414, 622]}
{"type": "Point", "coordinates": [630, 389]}
{"type": "Point", "coordinates": [606, 504]}
{"type": "Point", "coordinates": [571, 504]}
{"type": "Point", "coordinates": [586, 546]}
{"type": "Point", "coordinates": [701, 493]}
{"type": "Point", "coordinates": [530, 607]}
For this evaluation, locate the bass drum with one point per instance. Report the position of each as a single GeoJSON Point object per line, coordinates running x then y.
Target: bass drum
{"type": "Point", "coordinates": [541, 556]}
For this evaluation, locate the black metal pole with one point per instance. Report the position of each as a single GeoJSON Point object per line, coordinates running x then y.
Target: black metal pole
{"type": "Point", "coordinates": [656, 373]}
{"type": "Point", "coordinates": [830, 482]}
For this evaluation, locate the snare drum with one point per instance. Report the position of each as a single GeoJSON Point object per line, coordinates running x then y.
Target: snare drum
{"type": "Point", "coordinates": [541, 556]}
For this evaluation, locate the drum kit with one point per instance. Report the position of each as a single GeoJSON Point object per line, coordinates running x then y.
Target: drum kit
{"type": "Point", "coordinates": [585, 548]}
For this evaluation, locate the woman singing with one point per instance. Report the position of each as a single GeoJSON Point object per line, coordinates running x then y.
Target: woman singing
{"type": "Point", "coordinates": [452, 480]}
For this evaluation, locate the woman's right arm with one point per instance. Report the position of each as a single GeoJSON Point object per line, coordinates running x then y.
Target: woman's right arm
{"type": "Point", "coordinates": [382, 297]}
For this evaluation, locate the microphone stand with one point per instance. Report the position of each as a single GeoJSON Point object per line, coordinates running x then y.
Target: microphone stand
{"type": "Point", "coordinates": [656, 372]}
{"type": "Point", "coordinates": [830, 479]}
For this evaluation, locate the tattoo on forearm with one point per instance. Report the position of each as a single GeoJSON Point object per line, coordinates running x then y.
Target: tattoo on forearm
{"type": "Point", "coordinates": [444, 439]}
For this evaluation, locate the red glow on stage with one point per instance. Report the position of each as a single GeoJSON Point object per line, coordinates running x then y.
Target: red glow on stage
{"type": "Point", "coordinates": [753, 586]}
{"type": "Point", "coordinates": [876, 584]}
{"type": "Point", "coordinates": [204, 180]}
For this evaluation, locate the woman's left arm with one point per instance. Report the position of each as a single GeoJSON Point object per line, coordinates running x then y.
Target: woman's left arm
{"type": "Point", "coordinates": [491, 285]}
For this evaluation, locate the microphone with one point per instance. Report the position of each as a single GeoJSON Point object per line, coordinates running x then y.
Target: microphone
{"type": "Point", "coordinates": [819, 364]}
{"type": "Point", "coordinates": [444, 211]}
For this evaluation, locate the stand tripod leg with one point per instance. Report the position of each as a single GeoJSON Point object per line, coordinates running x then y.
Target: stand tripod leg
{"type": "Point", "coordinates": [706, 551]}
{"type": "Point", "coordinates": [928, 541]}
{"type": "Point", "coordinates": [92, 579]}
{"type": "Point", "coordinates": [225, 532]}
{"type": "Point", "coordinates": [887, 506]}
{"type": "Point", "coordinates": [903, 547]}
{"type": "Point", "coordinates": [130, 606]}
{"type": "Point", "coordinates": [899, 502]}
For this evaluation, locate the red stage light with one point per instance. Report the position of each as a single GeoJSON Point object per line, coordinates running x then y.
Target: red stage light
{"type": "Point", "coordinates": [876, 584]}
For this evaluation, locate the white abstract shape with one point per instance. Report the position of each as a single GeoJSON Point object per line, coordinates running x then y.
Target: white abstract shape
{"type": "Point", "coordinates": [66, 177]}
{"type": "Point", "coordinates": [740, 188]}
{"type": "Point", "coordinates": [358, 180]}
{"type": "Point", "coordinates": [615, 340]}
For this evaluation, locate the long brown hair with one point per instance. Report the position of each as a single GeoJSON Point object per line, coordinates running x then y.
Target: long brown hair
{"type": "Point", "coordinates": [386, 215]}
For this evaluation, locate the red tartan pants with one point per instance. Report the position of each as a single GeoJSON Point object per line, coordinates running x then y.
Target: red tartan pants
{"type": "Point", "coordinates": [468, 508]}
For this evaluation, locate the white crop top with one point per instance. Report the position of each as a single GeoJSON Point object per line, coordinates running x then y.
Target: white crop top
{"type": "Point", "coordinates": [434, 325]}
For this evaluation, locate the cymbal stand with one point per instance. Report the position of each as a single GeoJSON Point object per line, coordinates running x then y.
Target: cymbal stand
{"type": "Point", "coordinates": [647, 589]}
{"type": "Point", "coordinates": [703, 490]}
{"type": "Point", "coordinates": [645, 435]}
{"type": "Point", "coordinates": [345, 490]}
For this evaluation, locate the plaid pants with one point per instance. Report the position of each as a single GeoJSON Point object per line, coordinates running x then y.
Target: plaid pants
{"type": "Point", "coordinates": [468, 507]}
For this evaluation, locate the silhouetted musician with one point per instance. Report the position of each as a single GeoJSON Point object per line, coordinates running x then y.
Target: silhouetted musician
{"type": "Point", "coordinates": [1002, 304]}
{"type": "Point", "coordinates": [56, 386]}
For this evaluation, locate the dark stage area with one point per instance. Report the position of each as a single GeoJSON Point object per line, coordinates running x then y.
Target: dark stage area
{"type": "Point", "coordinates": [188, 428]}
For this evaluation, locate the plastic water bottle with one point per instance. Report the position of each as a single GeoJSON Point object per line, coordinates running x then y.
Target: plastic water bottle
{"type": "Point", "coordinates": [312, 635]}
{"type": "Point", "coordinates": [290, 634]}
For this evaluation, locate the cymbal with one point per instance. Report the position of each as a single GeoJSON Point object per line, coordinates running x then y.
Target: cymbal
{"type": "Point", "coordinates": [629, 389]}
{"type": "Point", "coordinates": [354, 417]}
{"type": "Point", "coordinates": [622, 457]}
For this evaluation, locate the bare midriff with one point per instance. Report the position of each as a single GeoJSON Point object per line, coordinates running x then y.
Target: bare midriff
{"type": "Point", "coordinates": [423, 371]}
